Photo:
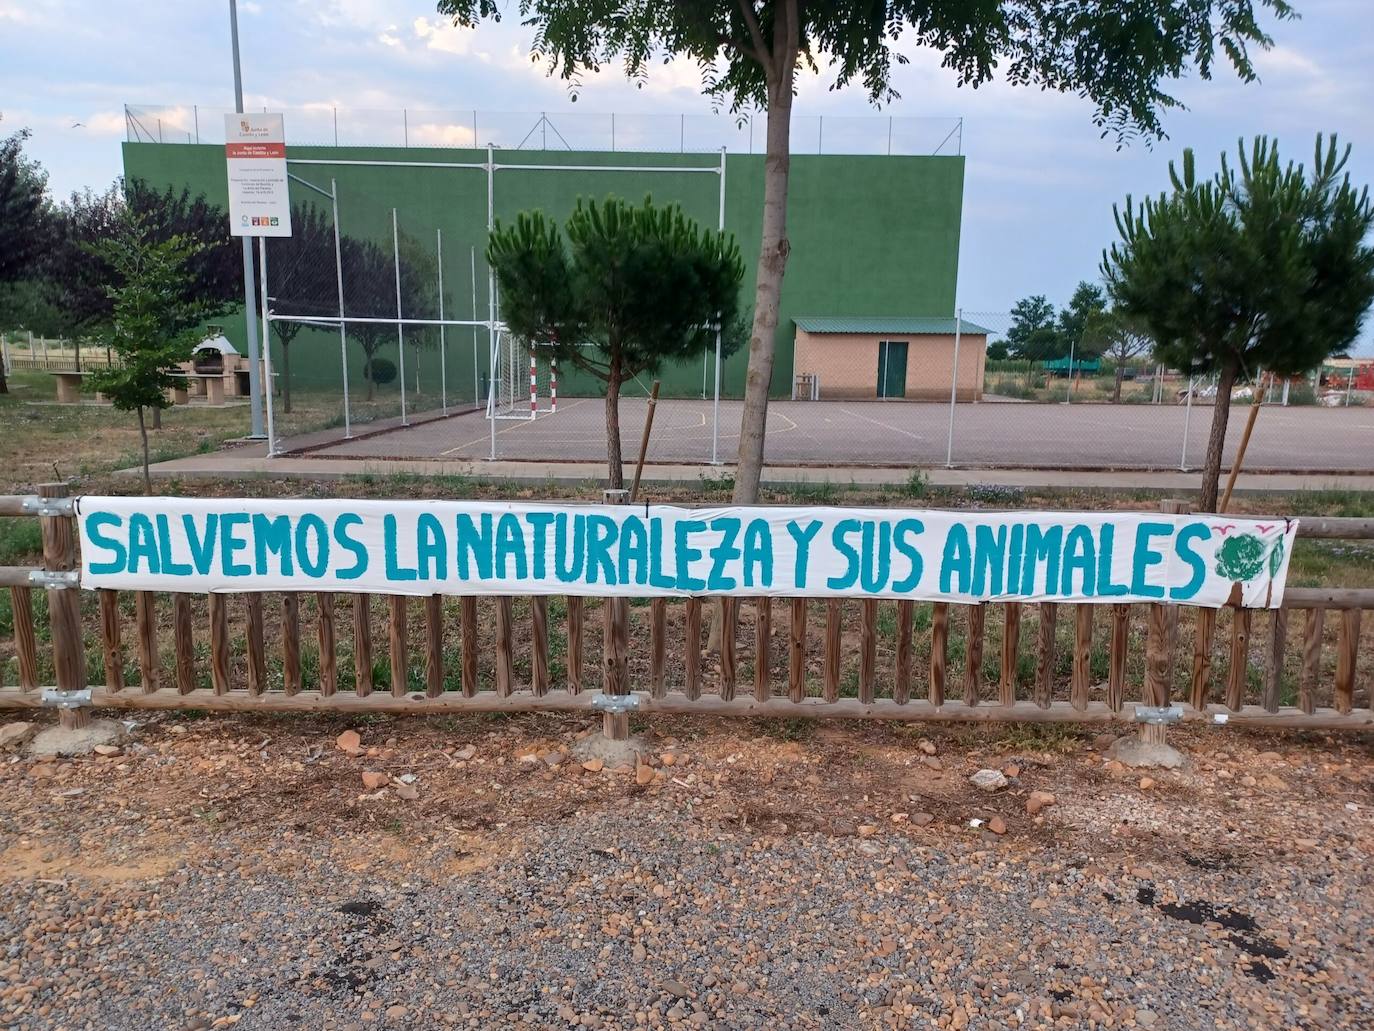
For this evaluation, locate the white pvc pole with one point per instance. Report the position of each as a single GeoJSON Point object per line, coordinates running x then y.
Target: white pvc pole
{"type": "Point", "coordinates": [1187, 417]}
{"type": "Point", "coordinates": [491, 307]}
{"type": "Point", "coordinates": [343, 326]}
{"type": "Point", "coordinates": [443, 356]}
{"type": "Point", "coordinates": [476, 380]}
{"type": "Point", "coordinates": [266, 351]}
{"type": "Point", "coordinates": [400, 330]}
{"type": "Point", "coordinates": [715, 403]}
{"type": "Point", "coordinates": [953, 388]}
{"type": "Point", "coordinates": [1068, 391]}
{"type": "Point", "coordinates": [250, 325]}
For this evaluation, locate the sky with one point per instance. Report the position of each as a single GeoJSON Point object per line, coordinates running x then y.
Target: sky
{"type": "Point", "coordinates": [1040, 181]}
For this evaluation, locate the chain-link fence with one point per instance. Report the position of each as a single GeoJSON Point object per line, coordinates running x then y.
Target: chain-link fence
{"type": "Point", "coordinates": [386, 317]}
{"type": "Point", "coordinates": [326, 125]}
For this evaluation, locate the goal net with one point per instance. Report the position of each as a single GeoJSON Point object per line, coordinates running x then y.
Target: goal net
{"type": "Point", "coordinates": [524, 379]}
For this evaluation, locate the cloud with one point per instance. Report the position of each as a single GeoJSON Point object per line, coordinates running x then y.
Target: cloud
{"type": "Point", "coordinates": [442, 35]}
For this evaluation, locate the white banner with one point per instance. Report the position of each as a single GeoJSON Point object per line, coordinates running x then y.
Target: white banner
{"type": "Point", "coordinates": [457, 547]}
{"type": "Point", "coordinates": [255, 153]}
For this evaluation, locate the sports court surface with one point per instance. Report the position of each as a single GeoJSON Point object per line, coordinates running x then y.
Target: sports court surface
{"type": "Point", "coordinates": [897, 434]}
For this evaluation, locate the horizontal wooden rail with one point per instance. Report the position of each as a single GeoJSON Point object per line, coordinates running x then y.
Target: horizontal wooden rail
{"type": "Point", "coordinates": [1328, 598]}
{"type": "Point", "coordinates": [1333, 528]}
{"type": "Point", "coordinates": [13, 504]}
{"type": "Point", "coordinates": [676, 703]}
{"type": "Point", "coordinates": [16, 576]}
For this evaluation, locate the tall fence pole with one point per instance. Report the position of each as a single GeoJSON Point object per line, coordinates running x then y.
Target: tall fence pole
{"type": "Point", "coordinates": [64, 606]}
{"type": "Point", "coordinates": [443, 356]}
{"type": "Point", "coordinates": [249, 324]}
{"type": "Point", "coordinates": [343, 326]}
{"type": "Point", "coordinates": [400, 329]}
{"type": "Point", "coordinates": [1349, 383]}
{"type": "Point", "coordinates": [1068, 389]}
{"type": "Point", "coordinates": [266, 351]}
{"type": "Point", "coordinates": [1187, 417]}
{"type": "Point", "coordinates": [491, 304]}
{"type": "Point", "coordinates": [476, 375]}
{"type": "Point", "coordinates": [715, 403]}
{"type": "Point", "coordinates": [953, 388]}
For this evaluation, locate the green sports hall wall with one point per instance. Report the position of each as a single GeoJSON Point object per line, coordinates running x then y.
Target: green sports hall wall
{"type": "Point", "coordinates": [869, 235]}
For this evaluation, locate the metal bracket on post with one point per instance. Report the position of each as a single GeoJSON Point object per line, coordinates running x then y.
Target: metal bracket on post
{"type": "Point", "coordinates": [615, 704]}
{"type": "Point", "coordinates": [52, 698]}
{"type": "Point", "coordinates": [55, 580]}
{"type": "Point", "coordinates": [36, 506]}
{"type": "Point", "coordinates": [1158, 715]}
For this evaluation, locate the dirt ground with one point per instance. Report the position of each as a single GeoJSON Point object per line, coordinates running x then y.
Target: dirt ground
{"type": "Point", "coordinates": [470, 872]}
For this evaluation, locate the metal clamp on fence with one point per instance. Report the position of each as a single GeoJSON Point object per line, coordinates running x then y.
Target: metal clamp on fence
{"type": "Point", "coordinates": [55, 699]}
{"type": "Point", "coordinates": [615, 703]}
{"type": "Point", "coordinates": [54, 579]}
{"type": "Point", "coordinates": [1159, 715]}
{"type": "Point", "coordinates": [32, 504]}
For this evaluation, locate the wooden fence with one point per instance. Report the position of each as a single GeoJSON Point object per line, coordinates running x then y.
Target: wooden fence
{"type": "Point", "coordinates": [501, 666]}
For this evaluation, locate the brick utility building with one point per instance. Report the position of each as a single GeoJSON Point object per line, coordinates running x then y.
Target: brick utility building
{"type": "Point", "coordinates": [911, 358]}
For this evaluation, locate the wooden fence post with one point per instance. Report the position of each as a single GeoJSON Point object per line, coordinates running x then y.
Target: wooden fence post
{"type": "Point", "coordinates": [64, 607]}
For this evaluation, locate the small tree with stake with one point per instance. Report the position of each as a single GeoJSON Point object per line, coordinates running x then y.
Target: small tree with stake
{"type": "Point", "coordinates": [632, 287]}
{"type": "Point", "coordinates": [154, 326]}
{"type": "Point", "coordinates": [1266, 267]}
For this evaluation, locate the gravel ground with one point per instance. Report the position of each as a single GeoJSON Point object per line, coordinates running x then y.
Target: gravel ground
{"type": "Point", "coordinates": [241, 872]}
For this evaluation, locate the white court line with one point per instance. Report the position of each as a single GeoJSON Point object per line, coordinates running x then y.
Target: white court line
{"type": "Point", "coordinates": [894, 429]}
{"type": "Point", "coordinates": [515, 426]}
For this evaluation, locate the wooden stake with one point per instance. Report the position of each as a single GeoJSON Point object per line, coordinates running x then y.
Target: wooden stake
{"type": "Point", "coordinates": [796, 651]}
{"type": "Point", "coordinates": [397, 644]}
{"type": "Point", "coordinates": [26, 639]}
{"type": "Point", "coordinates": [763, 633]}
{"type": "Point", "coordinates": [868, 648]}
{"type": "Point", "coordinates": [939, 652]}
{"type": "Point", "coordinates": [901, 686]}
{"type": "Point", "coordinates": [329, 658]}
{"type": "Point", "coordinates": [644, 441]}
{"type": "Point", "coordinates": [220, 676]}
{"type": "Point", "coordinates": [1011, 641]}
{"type": "Point", "coordinates": [109, 638]}
{"type": "Point", "coordinates": [362, 645]}
{"type": "Point", "coordinates": [833, 614]}
{"type": "Point", "coordinates": [1244, 443]}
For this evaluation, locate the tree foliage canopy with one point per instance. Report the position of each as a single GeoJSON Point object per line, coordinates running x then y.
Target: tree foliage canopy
{"type": "Point", "coordinates": [155, 315]}
{"type": "Point", "coordinates": [642, 284]}
{"type": "Point", "coordinates": [1267, 265]}
{"type": "Point", "coordinates": [24, 215]}
{"type": "Point", "coordinates": [1262, 265]}
{"type": "Point", "coordinates": [1117, 55]}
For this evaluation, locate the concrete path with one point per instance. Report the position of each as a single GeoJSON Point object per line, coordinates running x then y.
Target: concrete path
{"type": "Point", "coordinates": [251, 461]}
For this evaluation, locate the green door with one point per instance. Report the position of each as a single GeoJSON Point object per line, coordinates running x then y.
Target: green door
{"type": "Point", "coordinates": [892, 368]}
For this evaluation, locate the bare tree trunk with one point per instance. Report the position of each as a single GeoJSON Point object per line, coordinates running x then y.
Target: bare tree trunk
{"type": "Point", "coordinates": [772, 264]}
{"type": "Point", "coordinates": [286, 376]}
{"type": "Point", "coordinates": [157, 418]}
{"type": "Point", "coordinates": [1116, 391]}
{"type": "Point", "coordinates": [4, 384]}
{"type": "Point", "coordinates": [143, 433]}
{"type": "Point", "coordinates": [1216, 441]}
{"type": "Point", "coordinates": [367, 375]}
{"type": "Point", "coordinates": [614, 467]}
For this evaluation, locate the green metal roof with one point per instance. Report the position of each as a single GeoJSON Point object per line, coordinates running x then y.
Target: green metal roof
{"type": "Point", "coordinates": [914, 325]}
